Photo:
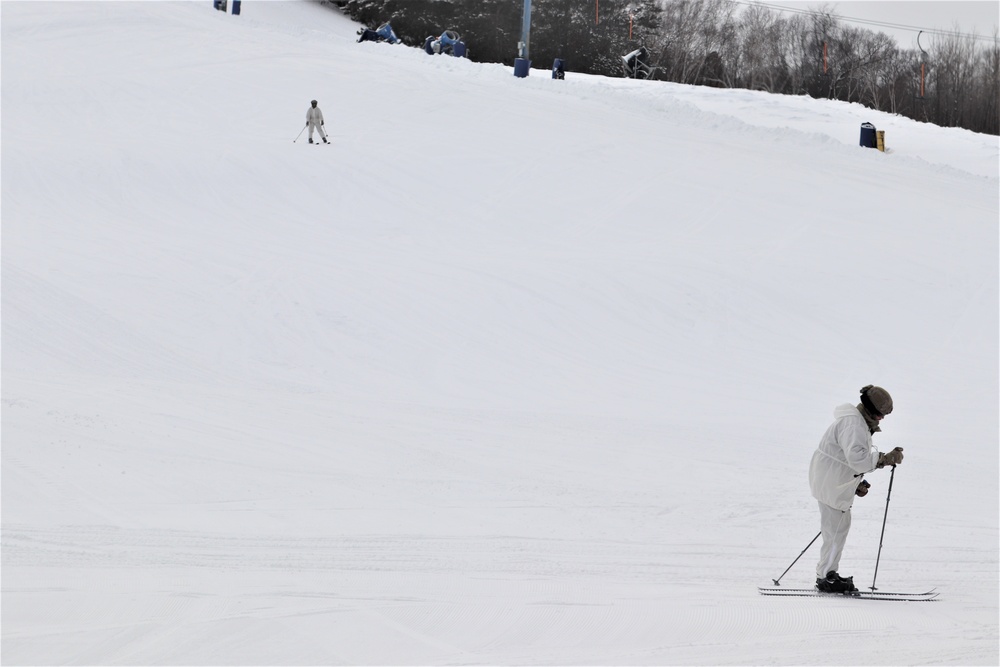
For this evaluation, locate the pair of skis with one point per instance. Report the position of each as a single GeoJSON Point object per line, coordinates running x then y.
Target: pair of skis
{"type": "Point", "coordinates": [871, 594]}
{"type": "Point", "coordinates": [777, 591]}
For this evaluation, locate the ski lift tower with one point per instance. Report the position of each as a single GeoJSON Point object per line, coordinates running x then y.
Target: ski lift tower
{"type": "Point", "coordinates": [923, 66]}
{"type": "Point", "coordinates": [522, 46]}
{"type": "Point", "coordinates": [522, 64]}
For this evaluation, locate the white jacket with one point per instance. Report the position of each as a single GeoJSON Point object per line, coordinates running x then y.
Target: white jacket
{"type": "Point", "coordinates": [314, 116]}
{"type": "Point", "coordinates": [845, 452]}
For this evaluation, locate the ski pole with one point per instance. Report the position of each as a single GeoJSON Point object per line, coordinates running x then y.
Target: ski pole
{"type": "Point", "coordinates": [300, 133]}
{"type": "Point", "coordinates": [887, 496]}
{"type": "Point", "coordinates": [776, 581]}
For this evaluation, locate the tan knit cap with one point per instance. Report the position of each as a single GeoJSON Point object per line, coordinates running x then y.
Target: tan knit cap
{"type": "Point", "coordinates": [876, 399]}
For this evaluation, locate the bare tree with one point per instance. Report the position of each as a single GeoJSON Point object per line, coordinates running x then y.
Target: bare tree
{"type": "Point", "coordinates": [954, 59]}
{"type": "Point", "coordinates": [764, 62]}
{"type": "Point", "coordinates": [877, 52]}
{"type": "Point", "coordinates": [799, 57]}
{"type": "Point", "coordinates": [988, 82]}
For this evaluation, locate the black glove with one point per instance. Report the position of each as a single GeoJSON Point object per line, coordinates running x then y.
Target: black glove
{"type": "Point", "coordinates": [862, 489]}
{"type": "Point", "coordinates": [322, 122]}
{"type": "Point", "coordinates": [893, 458]}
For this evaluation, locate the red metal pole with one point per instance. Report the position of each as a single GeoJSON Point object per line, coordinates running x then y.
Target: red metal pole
{"type": "Point", "coordinates": [824, 57]}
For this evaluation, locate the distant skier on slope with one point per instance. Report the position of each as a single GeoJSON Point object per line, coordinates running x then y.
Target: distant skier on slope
{"type": "Point", "coordinates": [844, 455]}
{"type": "Point", "coordinates": [314, 120]}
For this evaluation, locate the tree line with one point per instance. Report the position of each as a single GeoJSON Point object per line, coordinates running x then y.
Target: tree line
{"type": "Point", "coordinates": [955, 82]}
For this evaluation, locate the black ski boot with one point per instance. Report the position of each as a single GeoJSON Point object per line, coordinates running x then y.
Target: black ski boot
{"type": "Point", "coordinates": [834, 583]}
{"type": "Point", "coordinates": [325, 141]}
{"type": "Point", "coordinates": [310, 140]}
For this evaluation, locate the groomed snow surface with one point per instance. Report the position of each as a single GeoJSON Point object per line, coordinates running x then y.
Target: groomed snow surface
{"type": "Point", "coordinates": [517, 371]}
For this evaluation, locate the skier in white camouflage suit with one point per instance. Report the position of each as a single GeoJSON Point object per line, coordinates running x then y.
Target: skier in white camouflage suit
{"type": "Point", "coordinates": [836, 477]}
{"type": "Point", "coordinates": [314, 119]}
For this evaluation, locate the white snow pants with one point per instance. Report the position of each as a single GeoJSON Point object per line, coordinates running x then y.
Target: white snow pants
{"type": "Point", "coordinates": [313, 125]}
{"type": "Point", "coordinates": [834, 524]}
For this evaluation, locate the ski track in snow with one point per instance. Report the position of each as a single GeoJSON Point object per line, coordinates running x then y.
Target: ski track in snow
{"type": "Point", "coordinates": [514, 372]}
{"type": "Point", "coordinates": [441, 600]}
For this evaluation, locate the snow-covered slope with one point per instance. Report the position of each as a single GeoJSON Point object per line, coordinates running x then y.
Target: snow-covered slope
{"type": "Point", "coordinates": [514, 372]}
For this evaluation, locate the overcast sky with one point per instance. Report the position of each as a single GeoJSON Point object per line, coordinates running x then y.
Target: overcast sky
{"type": "Point", "coordinates": [979, 16]}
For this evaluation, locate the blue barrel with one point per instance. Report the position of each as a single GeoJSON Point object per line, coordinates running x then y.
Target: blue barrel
{"type": "Point", "coordinates": [559, 69]}
{"type": "Point", "coordinates": [868, 137]}
{"type": "Point", "coordinates": [458, 50]}
{"type": "Point", "coordinates": [521, 67]}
